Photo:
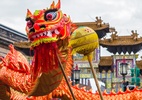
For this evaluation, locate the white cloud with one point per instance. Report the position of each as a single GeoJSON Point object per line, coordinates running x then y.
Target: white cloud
{"type": "Point", "coordinates": [118, 14]}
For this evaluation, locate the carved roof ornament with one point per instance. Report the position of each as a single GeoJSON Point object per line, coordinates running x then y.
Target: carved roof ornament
{"type": "Point", "coordinates": [99, 21]}
{"type": "Point", "coordinates": [97, 25]}
{"type": "Point", "coordinates": [134, 35]}
{"type": "Point", "coordinates": [112, 29]}
{"type": "Point", "coordinates": [114, 36]}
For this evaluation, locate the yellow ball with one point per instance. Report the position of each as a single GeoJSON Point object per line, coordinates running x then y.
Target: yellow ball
{"type": "Point", "coordinates": [84, 40]}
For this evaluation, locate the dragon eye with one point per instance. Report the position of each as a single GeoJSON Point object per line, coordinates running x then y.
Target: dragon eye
{"type": "Point", "coordinates": [50, 16]}
{"type": "Point", "coordinates": [29, 23]}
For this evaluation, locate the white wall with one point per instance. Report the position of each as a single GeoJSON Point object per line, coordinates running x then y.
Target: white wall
{"type": "Point", "coordinates": [93, 84]}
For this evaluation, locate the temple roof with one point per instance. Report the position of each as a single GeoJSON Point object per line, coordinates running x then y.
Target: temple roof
{"type": "Point", "coordinates": [106, 61]}
{"type": "Point", "coordinates": [124, 44]}
{"type": "Point", "coordinates": [24, 47]}
{"type": "Point", "coordinates": [121, 40]}
{"type": "Point", "coordinates": [98, 26]}
{"type": "Point", "coordinates": [22, 44]}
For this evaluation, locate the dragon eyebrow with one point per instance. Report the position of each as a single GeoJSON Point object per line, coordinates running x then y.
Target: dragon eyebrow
{"type": "Point", "coordinates": [51, 10]}
{"type": "Point", "coordinates": [28, 18]}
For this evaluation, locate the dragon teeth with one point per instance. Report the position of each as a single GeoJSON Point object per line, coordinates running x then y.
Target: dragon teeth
{"type": "Point", "coordinates": [41, 34]}
{"type": "Point", "coordinates": [56, 31]}
{"type": "Point", "coordinates": [49, 34]}
{"type": "Point", "coordinates": [44, 33]}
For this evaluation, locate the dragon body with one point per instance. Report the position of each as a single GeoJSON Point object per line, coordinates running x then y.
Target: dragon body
{"type": "Point", "coordinates": [49, 33]}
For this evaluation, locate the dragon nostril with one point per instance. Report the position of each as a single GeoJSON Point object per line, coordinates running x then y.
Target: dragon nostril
{"type": "Point", "coordinates": [42, 26]}
{"type": "Point", "coordinates": [36, 26]}
{"type": "Point", "coordinates": [32, 30]}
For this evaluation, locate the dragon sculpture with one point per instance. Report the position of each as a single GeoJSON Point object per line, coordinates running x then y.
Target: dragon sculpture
{"type": "Point", "coordinates": [49, 33]}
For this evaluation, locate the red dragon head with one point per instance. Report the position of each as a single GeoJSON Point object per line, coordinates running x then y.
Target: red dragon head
{"type": "Point", "coordinates": [47, 29]}
{"type": "Point", "coordinates": [44, 28]}
{"type": "Point", "coordinates": [47, 25]}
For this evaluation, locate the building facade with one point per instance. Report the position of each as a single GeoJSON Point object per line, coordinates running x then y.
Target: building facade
{"type": "Point", "coordinates": [9, 36]}
{"type": "Point", "coordinates": [125, 50]}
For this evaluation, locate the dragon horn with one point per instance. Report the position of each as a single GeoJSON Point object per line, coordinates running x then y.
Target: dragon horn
{"type": "Point", "coordinates": [52, 6]}
{"type": "Point", "coordinates": [29, 14]}
{"type": "Point", "coordinates": [58, 5]}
